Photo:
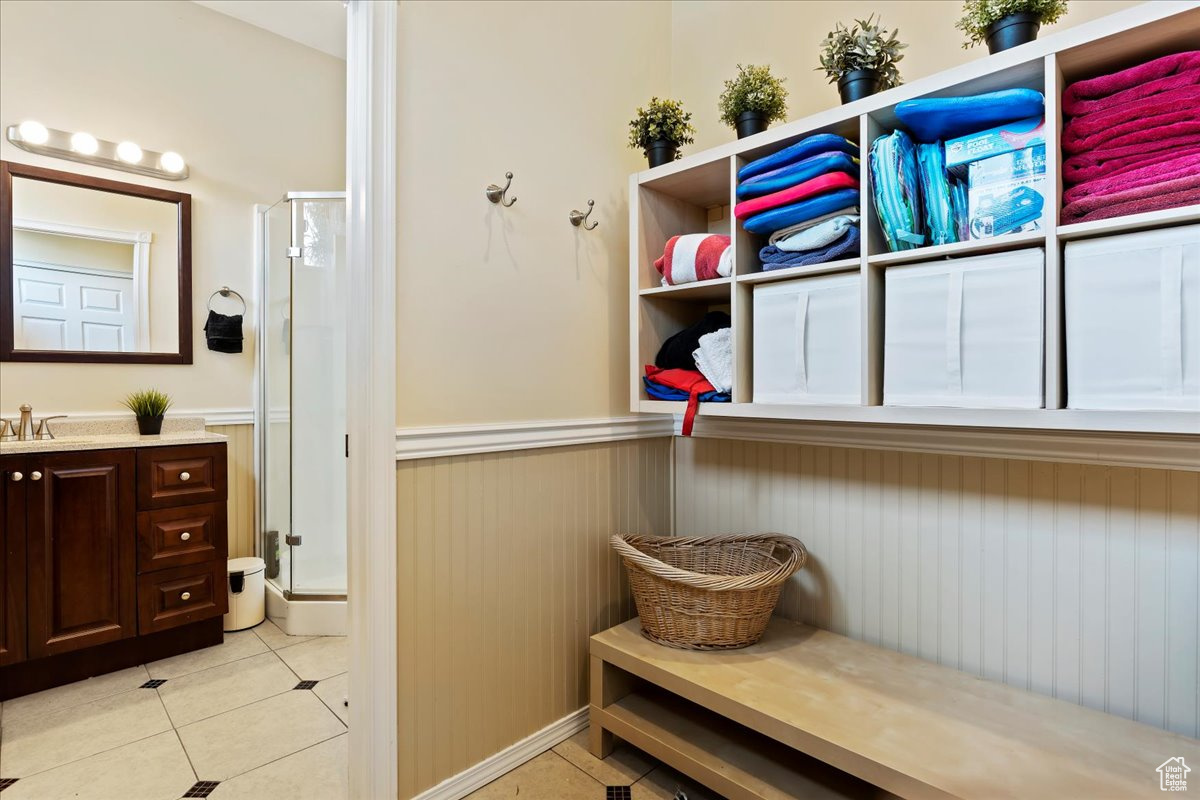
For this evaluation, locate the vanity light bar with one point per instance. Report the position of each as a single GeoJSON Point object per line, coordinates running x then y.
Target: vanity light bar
{"type": "Point", "coordinates": [87, 149]}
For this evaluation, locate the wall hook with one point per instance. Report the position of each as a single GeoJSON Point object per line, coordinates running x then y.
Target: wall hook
{"type": "Point", "coordinates": [578, 218]}
{"type": "Point", "coordinates": [497, 195]}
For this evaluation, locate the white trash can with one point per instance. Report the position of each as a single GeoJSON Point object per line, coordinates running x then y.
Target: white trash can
{"type": "Point", "coordinates": [247, 593]}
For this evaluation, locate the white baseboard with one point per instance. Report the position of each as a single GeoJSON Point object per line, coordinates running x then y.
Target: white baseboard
{"type": "Point", "coordinates": [507, 759]}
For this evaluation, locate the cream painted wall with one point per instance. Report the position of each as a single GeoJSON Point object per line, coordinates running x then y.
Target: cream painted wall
{"type": "Point", "coordinates": [709, 38]}
{"type": "Point", "coordinates": [254, 114]}
{"type": "Point", "coordinates": [511, 314]}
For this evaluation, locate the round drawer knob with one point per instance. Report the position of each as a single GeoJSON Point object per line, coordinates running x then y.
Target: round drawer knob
{"type": "Point", "coordinates": [35, 476]}
{"type": "Point", "coordinates": [185, 536]}
{"type": "Point", "coordinates": [16, 476]}
{"type": "Point", "coordinates": [185, 596]}
{"type": "Point", "coordinates": [185, 476]}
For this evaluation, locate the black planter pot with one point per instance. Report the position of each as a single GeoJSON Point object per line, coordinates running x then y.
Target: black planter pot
{"type": "Point", "coordinates": [750, 123]}
{"type": "Point", "coordinates": [150, 426]}
{"type": "Point", "coordinates": [859, 83]}
{"type": "Point", "coordinates": [1011, 31]}
{"type": "Point", "coordinates": [661, 152]}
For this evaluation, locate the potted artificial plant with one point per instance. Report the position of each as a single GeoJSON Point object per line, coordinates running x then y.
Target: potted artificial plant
{"type": "Point", "coordinates": [659, 129]}
{"type": "Point", "coordinates": [752, 100]}
{"type": "Point", "coordinates": [149, 405]}
{"type": "Point", "coordinates": [1007, 23]}
{"type": "Point", "coordinates": [861, 58]}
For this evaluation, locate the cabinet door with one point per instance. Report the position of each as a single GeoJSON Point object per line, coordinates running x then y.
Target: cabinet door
{"type": "Point", "coordinates": [81, 547]}
{"type": "Point", "coordinates": [13, 477]}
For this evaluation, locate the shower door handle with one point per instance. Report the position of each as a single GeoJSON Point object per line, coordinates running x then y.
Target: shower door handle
{"type": "Point", "coordinates": [292, 540]}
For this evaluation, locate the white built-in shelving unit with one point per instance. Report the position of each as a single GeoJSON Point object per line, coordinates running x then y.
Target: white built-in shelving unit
{"type": "Point", "coordinates": [696, 193]}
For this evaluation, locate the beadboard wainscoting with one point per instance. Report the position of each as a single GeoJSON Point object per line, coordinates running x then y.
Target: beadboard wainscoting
{"type": "Point", "coordinates": [504, 571]}
{"type": "Point", "coordinates": [1075, 580]}
{"type": "Point", "coordinates": [243, 490]}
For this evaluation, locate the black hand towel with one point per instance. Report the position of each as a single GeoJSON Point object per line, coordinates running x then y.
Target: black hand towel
{"type": "Point", "coordinates": [676, 352]}
{"type": "Point", "coordinates": [224, 333]}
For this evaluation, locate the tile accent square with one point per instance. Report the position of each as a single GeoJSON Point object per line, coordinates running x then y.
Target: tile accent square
{"type": "Point", "coordinates": [7, 782]}
{"type": "Point", "coordinates": [152, 684]}
{"type": "Point", "coordinates": [202, 788]}
{"type": "Point", "coordinates": [306, 685]}
{"type": "Point", "coordinates": [618, 793]}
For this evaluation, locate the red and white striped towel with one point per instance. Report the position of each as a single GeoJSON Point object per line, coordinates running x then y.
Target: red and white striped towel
{"type": "Point", "coordinates": [695, 257]}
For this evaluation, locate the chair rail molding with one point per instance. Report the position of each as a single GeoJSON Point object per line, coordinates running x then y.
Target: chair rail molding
{"type": "Point", "coordinates": [1132, 450]}
{"type": "Point", "coordinates": [371, 37]}
{"type": "Point", "coordinates": [459, 440]}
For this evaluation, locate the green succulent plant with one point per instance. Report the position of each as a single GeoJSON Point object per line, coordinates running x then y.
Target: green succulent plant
{"type": "Point", "coordinates": [863, 45]}
{"type": "Point", "coordinates": [148, 403]}
{"type": "Point", "coordinates": [754, 89]}
{"type": "Point", "coordinates": [661, 120]}
{"type": "Point", "coordinates": [979, 14]}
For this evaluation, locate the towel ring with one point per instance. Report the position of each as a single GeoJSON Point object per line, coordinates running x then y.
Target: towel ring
{"type": "Point", "coordinates": [225, 291]}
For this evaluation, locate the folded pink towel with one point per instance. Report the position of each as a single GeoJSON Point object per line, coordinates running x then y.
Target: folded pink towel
{"type": "Point", "coordinates": [801, 191]}
{"type": "Point", "coordinates": [1141, 154]}
{"type": "Point", "coordinates": [1128, 85]}
{"type": "Point", "coordinates": [695, 257]}
{"type": "Point", "coordinates": [1094, 130]}
{"type": "Point", "coordinates": [1168, 194]}
{"type": "Point", "coordinates": [1169, 128]}
{"type": "Point", "coordinates": [1179, 167]}
{"type": "Point", "coordinates": [1079, 171]}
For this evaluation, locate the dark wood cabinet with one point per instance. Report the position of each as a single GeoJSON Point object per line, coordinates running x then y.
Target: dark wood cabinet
{"type": "Point", "coordinates": [108, 558]}
{"type": "Point", "coordinates": [81, 551]}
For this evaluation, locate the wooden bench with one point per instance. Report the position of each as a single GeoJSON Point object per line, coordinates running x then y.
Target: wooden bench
{"type": "Point", "coordinates": [808, 713]}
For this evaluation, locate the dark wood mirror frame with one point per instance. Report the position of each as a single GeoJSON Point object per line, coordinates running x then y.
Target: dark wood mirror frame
{"type": "Point", "coordinates": [183, 204]}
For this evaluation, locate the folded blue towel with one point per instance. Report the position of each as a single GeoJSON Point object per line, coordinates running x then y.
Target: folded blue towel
{"type": "Point", "coordinates": [933, 118]}
{"type": "Point", "coordinates": [786, 177]}
{"type": "Point", "coordinates": [846, 247]}
{"type": "Point", "coordinates": [779, 218]}
{"type": "Point", "coordinates": [818, 143]}
{"type": "Point", "coordinates": [660, 392]}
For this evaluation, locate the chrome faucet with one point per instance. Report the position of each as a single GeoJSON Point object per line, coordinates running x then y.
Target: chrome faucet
{"type": "Point", "coordinates": [25, 426]}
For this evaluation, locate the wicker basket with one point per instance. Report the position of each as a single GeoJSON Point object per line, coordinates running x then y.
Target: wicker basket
{"type": "Point", "coordinates": [708, 592]}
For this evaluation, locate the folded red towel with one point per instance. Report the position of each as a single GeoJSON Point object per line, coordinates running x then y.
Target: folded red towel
{"type": "Point", "coordinates": [1144, 80]}
{"type": "Point", "coordinates": [1168, 194]}
{"type": "Point", "coordinates": [809, 188]}
{"type": "Point", "coordinates": [1081, 171]}
{"type": "Point", "coordinates": [1179, 167]}
{"type": "Point", "coordinates": [1141, 154]}
{"type": "Point", "coordinates": [1170, 127]}
{"type": "Point", "coordinates": [1091, 131]}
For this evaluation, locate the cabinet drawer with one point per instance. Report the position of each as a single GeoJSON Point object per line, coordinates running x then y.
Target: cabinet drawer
{"type": "Point", "coordinates": [176, 537]}
{"type": "Point", "coordinates": [175, 476]}
{"type": "Point", "coordinates": [173, 597]}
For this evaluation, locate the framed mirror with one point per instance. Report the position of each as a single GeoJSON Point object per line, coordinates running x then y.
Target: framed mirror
{"type": "Point", "coordinates": [93, 270]}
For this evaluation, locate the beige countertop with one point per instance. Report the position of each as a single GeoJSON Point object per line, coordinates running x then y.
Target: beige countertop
{"type": "Point", "coordinates": [112, 434]}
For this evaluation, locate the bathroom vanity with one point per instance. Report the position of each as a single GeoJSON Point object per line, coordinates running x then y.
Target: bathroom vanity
{"type": "Point", "coordinates": [112, 553]}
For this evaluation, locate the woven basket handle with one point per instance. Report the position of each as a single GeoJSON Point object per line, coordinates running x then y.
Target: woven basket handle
{"type": "Point", "coordinates": [796, 558]}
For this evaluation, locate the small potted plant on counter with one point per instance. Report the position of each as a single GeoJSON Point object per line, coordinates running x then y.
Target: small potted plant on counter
{"type": "Point", "coordinates": [149, 405]}
{"type": "Point", "coordinates": [753, 100]}
{"type": "Point", "coordinates": [659, 129]}
{"type": "Point", "coordinates": [861, 58]}
{"type": "Point", "coordinates": [1007, 23]}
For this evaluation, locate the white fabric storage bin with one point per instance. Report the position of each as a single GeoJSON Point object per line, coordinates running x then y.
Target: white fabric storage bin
{"type": "Point", "coordinates": [807, 341]}
{"type": "Point", "coordinates": [966, 333]}
{"type": "Point", "coordinates": [1133, 321]}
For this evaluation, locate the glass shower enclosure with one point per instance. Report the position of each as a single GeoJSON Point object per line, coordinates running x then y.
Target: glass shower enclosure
{"type": "Point", "coordinates": [302, 395]}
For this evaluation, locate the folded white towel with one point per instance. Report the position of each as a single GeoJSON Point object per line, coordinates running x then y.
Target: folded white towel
{"type": "Point", "coordinates": [808, 223]}
{"type": "Point", "coordinates": [818, 236]}
{"type": "Point", "coordinates": [714, 359]}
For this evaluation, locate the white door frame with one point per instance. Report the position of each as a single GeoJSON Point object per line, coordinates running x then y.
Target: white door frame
{"type": "Point", "coordinates": [371, 403]}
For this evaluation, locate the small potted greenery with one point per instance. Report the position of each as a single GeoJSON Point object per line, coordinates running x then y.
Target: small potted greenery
{"type": "Point", "coordinates": [1007, 23]}
{"type": "Point", "coordinates": [753, 100]}
{"type": "Point", "coordinates": [149, 405]}
{"type": "Point", "coordinates": [659, 129]}
{"type": "Point", "coordinates": [861, 58]}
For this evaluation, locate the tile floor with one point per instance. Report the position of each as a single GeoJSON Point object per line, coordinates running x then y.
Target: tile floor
{"type": "Point", "coordinates": [226, 722]}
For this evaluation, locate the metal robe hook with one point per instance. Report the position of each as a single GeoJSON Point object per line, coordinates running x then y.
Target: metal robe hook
{"type": "Point", "coordinates": [497, 195]}
{"type": "Point", "coordinates": [578, 218]}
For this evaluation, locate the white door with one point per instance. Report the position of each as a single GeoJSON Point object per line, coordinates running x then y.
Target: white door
{"type": "Point", "coordinates": [68, 308]}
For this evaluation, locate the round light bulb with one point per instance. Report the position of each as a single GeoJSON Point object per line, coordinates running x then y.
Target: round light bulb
{"type": "Point", "coordinates": [172, 161]}
{"type": "Point", "coordinates": [129, 152]}
{"type": "Point", "coordinates": [33, 132]}
{"type": "Point", "coordinates": [84, 143]}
